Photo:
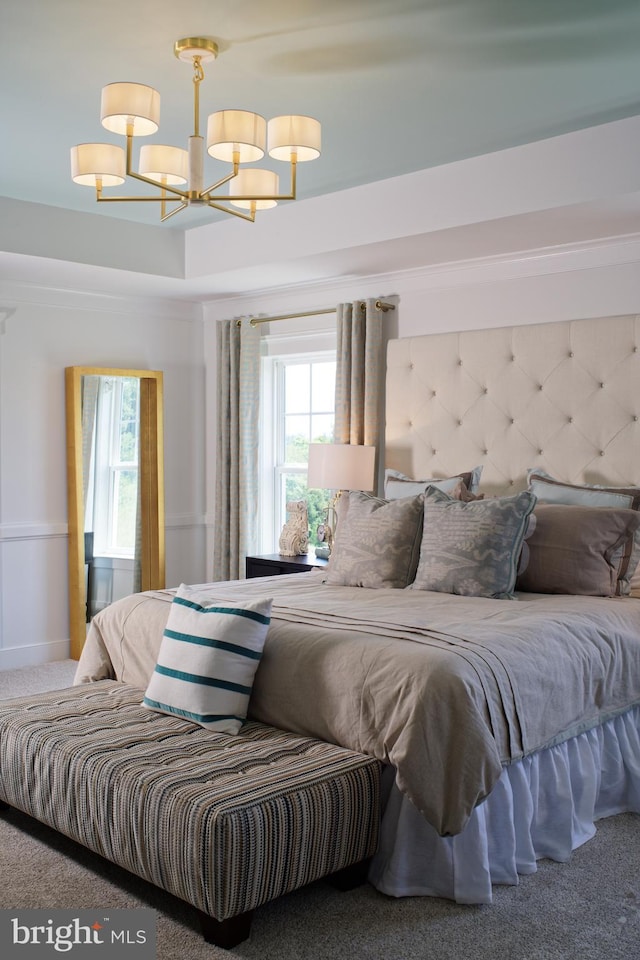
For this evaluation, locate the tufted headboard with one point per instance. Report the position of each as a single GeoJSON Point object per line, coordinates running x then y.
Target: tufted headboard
{"type": "Point", "coordinates": [563, 396]}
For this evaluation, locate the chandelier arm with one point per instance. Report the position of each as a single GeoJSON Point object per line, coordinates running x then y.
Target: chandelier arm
{"type": "Point", "coordinates": [102, 199]}
{"type": "Point", "coordinates": [182, 206]}
{"type": "Point", "coordinates": [235, 213]}
{"type": "Point", "coordinates": [179, 194]}
{"type": "Point", "coordinates": [204, 195]}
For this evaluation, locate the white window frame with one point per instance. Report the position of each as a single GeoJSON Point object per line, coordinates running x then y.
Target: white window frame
{"type": "Point", "coordinates": [281, 351]}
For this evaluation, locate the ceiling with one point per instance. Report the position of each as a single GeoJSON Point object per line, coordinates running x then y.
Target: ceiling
{"type": "Point", "coordinates": [398, 85]}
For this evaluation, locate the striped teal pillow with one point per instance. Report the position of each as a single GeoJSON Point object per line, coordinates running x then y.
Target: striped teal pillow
{"type": "Point", "coordinates": [208, 657]}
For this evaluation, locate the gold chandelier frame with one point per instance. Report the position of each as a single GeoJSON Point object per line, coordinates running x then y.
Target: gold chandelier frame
{"type": "Point", "coordinates": [238, 137]}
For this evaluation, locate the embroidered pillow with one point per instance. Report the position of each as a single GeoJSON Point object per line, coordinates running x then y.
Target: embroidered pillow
{"type": "Point", "coordinates": [578, 550]}
{"type": "Point", "coordinates": [549, 490]}
{"type": "Point", "coordinates": [208, 658]}
{"type": "Point", "coordinates": [472, 548]}
{"type": "Point", "coordinates": [377, 542]}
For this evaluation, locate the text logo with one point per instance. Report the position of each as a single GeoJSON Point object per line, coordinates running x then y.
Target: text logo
{"type": "Point", "coordinates": [103, 933]}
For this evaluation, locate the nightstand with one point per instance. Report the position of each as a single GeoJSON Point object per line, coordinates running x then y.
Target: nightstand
{"type": "Point", "coordinates": [274, 565]}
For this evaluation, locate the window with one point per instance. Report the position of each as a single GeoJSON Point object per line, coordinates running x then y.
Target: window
{"type": "Point", "coordinates": [300, 411]}
{"type": "Point", "coordinates": [116, 466]}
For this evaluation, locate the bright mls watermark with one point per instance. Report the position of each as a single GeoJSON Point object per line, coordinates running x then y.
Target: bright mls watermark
{"type": "Point", "coordinates": [104, 933]}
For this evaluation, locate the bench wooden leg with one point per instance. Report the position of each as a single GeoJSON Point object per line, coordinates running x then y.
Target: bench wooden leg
{"type": "Point", "coordinates": [226, 933]}
{"type": "Point", "coordinates": [350, 877]}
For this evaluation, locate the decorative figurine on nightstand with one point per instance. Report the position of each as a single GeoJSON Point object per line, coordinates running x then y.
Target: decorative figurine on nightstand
{"type": "Point", "coordinates": [294, 539]}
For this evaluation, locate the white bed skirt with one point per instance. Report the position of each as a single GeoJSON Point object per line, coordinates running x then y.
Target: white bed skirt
{"type": "Point", "coordinates": [542, 806]}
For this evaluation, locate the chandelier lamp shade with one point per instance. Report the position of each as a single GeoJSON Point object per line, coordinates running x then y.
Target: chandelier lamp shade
{"type": "Point", "coordinates": [234, 137]}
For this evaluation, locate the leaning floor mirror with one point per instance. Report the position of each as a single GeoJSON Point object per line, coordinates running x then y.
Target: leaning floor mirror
{"type": "Point", "coordinates": [115, 489]}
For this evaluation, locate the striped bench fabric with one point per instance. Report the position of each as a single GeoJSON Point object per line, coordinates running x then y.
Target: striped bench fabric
{"type": "Point", "coordinates": [224, 822]}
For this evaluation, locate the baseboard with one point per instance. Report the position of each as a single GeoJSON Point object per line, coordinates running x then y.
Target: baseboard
{"type": "Point", "coordinates": [33, 655]}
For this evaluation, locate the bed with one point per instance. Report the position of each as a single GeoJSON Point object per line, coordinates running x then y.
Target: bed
{"type": "Point", "coordinates": [508, 720]}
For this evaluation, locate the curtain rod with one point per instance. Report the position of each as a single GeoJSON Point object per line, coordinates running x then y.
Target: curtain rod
{"type": "Point", "coordinates": [254, 321]}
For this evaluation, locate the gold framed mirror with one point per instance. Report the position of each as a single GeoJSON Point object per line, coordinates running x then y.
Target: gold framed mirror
{"type": "Point", "coordinates": [138, 475]}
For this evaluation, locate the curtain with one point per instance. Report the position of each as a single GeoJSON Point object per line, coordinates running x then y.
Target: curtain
{"type": "Point", "coordinates": [237, 480]}
{"type": "Point", "coordinates": [359, 373]}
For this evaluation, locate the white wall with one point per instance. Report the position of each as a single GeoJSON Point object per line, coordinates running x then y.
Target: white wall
{"type": "Point", "coordinates": [42, 331]}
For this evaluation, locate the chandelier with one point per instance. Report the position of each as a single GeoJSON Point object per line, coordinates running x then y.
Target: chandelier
{"type": "Point", "coordinates": [234, 136]}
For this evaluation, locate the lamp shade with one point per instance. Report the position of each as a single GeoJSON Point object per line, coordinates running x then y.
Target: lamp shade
{"type": "Point", "coordinates": [341, 466]}
{"type": "Point", "coordinates": [252, 182]}
{"type": "Point", "coordinates": [137, 102]}
{"type": "Point", "coordinates": [158, 160]}
{"type": "Point", "coordinates": [236, 131]}
{"type": "Point", "coordinates": [97, 161]}
{"type": "Point", "coordinates": [294, 136]}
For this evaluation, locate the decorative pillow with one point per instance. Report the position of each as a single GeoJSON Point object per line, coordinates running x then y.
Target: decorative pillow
{"type": "Point", "coordinates": [377, 542]}
{"type": "Point", "coordinates": [549, 490]}
{"type": "Point", "coordinates": [208, 657]}
{"type": "Point", "coordinates": [578, 550]}
{"type": "Point", "coordinates": [472, 548]}
{"type": "Point", "coordinates": [397, 485]}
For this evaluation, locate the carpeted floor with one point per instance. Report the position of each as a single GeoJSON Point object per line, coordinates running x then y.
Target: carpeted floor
{"type": "Point", "coordinates": [588, 909]}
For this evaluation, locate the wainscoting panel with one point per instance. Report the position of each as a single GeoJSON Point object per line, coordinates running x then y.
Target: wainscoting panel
{"type": "Point", "coordinates": [34, 623]}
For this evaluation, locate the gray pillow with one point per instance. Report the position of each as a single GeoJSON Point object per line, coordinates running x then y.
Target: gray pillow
{"type": "Point", "coordinates": [549, 490]}
{"type": "Point", "coordinates": [473, 548]}
{"type": "Point", "coordinates": [578, 550]}
{"type": "Point", "coordinates": [377, 542]}
{"type": "Point", "coordinates": [398, 485]}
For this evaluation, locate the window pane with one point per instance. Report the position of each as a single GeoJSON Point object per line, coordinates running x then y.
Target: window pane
{"type": "Point", "coordinates": [322, 428]}
{"type": "Point", "coordinates": [125, 501]}
{"type": "Point", "coordinates": [297, 388]}
{"type": "Point", "coordinates": [294, 487]}
{"type": "Point", "coordinates": [323, 386]}
{"type": "Point", "coordinates": [128, 442]}
{"type": "Point", "coordinates": [296, 439]}
{"type": "Point", "coordinates": [128, 423]}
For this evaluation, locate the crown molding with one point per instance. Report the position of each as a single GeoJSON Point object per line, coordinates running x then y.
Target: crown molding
{"type": "Point", "coordinates": [22, 293]}
{"type": "Point", "coordinates": [562, 258]}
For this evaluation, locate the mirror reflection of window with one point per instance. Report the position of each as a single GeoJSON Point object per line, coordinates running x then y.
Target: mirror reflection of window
{"type": "Point", "coordinates": [112, 506]}
{"type": "Point", "coordinates": [111, 443]}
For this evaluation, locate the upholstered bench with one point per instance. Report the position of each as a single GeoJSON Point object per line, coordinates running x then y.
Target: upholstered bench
{"type": "Point", "coordinates": [224, 822]}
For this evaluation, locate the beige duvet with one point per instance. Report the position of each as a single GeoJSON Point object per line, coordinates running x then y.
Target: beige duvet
{"type": "Point", "coordinates": [445, 688]}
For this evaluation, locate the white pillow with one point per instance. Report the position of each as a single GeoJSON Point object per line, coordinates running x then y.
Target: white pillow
{"type": "Point", "coordinates": [208, 658]}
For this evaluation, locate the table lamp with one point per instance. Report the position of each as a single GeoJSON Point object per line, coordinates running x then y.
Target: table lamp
{"type": "Point", "coordinates": [338, 466]}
